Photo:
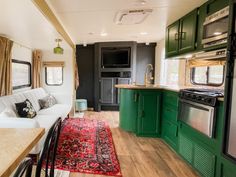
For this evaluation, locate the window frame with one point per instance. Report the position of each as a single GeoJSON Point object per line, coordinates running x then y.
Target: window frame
{"type": "Point", "coordinates": [192, 72]}
{"type": "Point", "coordinates": [30, 74]}
{"type": "Point", "coordinates": [46, 81]}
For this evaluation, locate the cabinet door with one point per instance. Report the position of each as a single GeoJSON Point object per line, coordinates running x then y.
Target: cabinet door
{"type": "Point", "coordinates": [170, 133]}
{"type": "Point", "coordinates": [172, 39]}
{"type": "Point", "coordinates": [149, 114]}
{"type": "Point", "coordinates": [128, 109]}
{"type": "Point", "coordinates": [107, 90]}
{"type": "Point", "coordinates": [122, 81]}
{"type": "Point", "coordinates": [204, 161]}
{"type": "Point", "coordinates": [188, 27]}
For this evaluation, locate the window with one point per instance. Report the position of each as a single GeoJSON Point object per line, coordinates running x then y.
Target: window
{"type": "Point", "coordinates": [21, 74]}
{"type": "Point", "coordinates": [208, 75]}
{"type": "Point", "coordinates": [54, 76]}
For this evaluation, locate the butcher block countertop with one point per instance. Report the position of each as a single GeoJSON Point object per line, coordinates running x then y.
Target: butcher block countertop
{"type": "Point", "coordinates": [174, 88]}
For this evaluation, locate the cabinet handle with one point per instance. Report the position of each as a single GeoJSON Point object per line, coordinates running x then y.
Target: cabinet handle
{"type": "Point", "coordinates": [183, 35]}
{"type": "Point", "coordinates": [135, 97]}
{"type": "Point", "coordinates": [142, 113]}
{"type": "Point", "coordinates": [176, 36]}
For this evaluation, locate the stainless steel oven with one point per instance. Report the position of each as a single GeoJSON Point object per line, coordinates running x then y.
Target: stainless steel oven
{"type": "Point", "coordinates": [197, 108]}
{"type": "Point", "coordinates": [215, 28]}
{"type": "Point", "coordinates": [198, 116]}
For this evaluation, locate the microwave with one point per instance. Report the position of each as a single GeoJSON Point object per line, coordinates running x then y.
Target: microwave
{"type": "Point", "coordinates": [215, 28]}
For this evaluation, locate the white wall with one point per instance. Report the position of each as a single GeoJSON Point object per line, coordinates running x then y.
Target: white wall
{"type": "Point", "coordinates": [68, 74]}
{"type": "Point", "coordinates": [22, 53]}
{"type": "Point", "coordinates": [160, 54]}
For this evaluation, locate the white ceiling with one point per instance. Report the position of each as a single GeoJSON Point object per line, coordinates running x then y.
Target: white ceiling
{"type": "Point", "coordinates": [22, 22]}
{"type": "Point", "coordinates": [83, 17]}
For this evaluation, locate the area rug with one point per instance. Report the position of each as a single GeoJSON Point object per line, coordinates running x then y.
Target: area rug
{"type": "Point", "coordinates": [86, 146]}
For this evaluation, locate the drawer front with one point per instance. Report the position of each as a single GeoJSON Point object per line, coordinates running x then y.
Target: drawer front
{"type": "Point", "coordinates": [170, 133]}
{"type": "Point", "coordinates": [171, 99]}
{"type": "Point", "coordinates": [170, 114]}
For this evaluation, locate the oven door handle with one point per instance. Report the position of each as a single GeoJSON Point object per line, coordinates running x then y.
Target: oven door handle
{"type": "Point", "coordinates": [196, 105]}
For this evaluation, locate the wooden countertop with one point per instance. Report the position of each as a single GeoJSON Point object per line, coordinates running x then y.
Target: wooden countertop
{"type": "Point", "coordinates": [15, 144]}
{"type": "Point", "coordinates": [174, 88]}
{"type": "Point", "coordinates": [154, 87]}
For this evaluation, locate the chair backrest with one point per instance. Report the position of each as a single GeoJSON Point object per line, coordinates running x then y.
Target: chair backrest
{"type": "Point", "coordinates": [24, 168]}
{"type": "Point", "coordinates": [48, 153]}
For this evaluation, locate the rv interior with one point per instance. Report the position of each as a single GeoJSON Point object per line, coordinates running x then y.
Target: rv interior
{"type": "Point", "coordinates": [121, 88]}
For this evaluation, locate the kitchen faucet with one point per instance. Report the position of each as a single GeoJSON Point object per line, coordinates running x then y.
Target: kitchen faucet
{"type": "Point", "coordinates": [148, 78]}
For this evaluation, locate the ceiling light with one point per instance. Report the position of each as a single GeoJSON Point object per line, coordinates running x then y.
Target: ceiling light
{"type": "Point", "coordinates": [85, 44]}
{"type": "Point", "coordinates": [143, 2]}
{"type": "Point", "coordinates": [217, 33]}
{"type": "Point", "coordinates": [143, 33]}
{"type": "Point", "coordinates": [104, 34]}
{"type": "Point", "coordinates": [58, 49]}
{"type": "Point", "coordinates": [147, 43]}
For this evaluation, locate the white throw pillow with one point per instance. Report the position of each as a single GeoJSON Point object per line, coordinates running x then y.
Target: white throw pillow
{"type": "Point", "coordinates": [8, 112]}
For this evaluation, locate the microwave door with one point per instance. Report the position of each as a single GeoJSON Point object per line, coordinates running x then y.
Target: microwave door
{"type": "Point", "coordinates": [229, 146]}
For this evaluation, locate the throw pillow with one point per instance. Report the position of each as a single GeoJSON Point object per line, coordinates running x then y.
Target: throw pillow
{"type": "Point", "coordinates": [7, 112]}
{"type": "Point", "coordinates": [47, 102]}
{"type": "Point", "coordinates": [25, 109]}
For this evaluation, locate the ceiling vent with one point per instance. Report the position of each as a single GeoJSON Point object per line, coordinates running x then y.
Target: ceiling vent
{"type": "Point", "coordinates": [131, 17]}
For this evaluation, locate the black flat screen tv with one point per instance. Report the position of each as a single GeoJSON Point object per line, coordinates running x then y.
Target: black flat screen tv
{"type": "Point", "coordinates": [116, 57]}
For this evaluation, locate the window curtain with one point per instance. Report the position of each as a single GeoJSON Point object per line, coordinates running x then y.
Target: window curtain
{"type": "Point", "coordinates": [37, 66]}
{"type": "Point", "coordinates": [5, 66]}
{"type": "Point", "coordinates": [198, 62]}
{"type": "Point", "coordinates": [76, 76]}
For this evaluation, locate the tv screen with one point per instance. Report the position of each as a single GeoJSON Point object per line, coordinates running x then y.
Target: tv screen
{"type": "Point", "coordinates": [116, 57]}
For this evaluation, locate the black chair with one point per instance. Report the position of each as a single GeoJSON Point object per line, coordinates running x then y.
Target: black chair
{"type": "Point", "coordinates": [48, 154]}
{"type": "Point", "coordinates": [24, 168]}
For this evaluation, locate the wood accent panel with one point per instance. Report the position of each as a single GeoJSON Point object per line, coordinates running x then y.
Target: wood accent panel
{"type": "Point", "coordinates": [53, 63]}
{"type": "Point", "coordinates": [141, 157]}
{"type": "Point", "coordinates": [48, 13]}
{"type": "Point", "coordinates": [15, 144]}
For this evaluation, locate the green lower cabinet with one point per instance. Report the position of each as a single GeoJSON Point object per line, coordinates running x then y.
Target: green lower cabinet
{"type": "Point", "coordinates": [128, 109]}
{"type": "Point", "coordinates": [170, 133]}
{"type": "Point", "coordinates": [148, 123]}
{"type": "Point", "coordinates": [198, 156]}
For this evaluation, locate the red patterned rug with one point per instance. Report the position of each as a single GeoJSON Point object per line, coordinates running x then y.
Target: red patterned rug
{"type": "Point", "coordinates": [86, 146]}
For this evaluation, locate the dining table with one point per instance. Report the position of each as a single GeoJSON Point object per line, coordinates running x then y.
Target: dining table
{"type": "Point", "coordinates": [15, 145]}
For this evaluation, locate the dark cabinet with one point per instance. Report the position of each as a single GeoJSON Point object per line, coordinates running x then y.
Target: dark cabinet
{"type": "Point", "coordinates": [188, 28]}
{"type": "Point", "coordinates": [197, 155]}
{"type": "Point", "coordinates": [140, 111]}
{"type": "Point", "coordinates": [172, 39]}
{"type": "Point", "coordinates": [108, 90]}
{"type": "Point", "coordinates": [148, 122]}
{"type": "Point", "coordinates": [128, 109]}
{"type": "Point", "coordinates": [169, 118]}
{"type": "Point", "coordinates": [181, 35]}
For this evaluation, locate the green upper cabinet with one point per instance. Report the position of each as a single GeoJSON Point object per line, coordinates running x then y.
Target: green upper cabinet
{"type": "Point", "coordinates": [128, 109]}
{"type": "Point", "coordinates": [172, 39]}
{"type": "Point", "coordinates": [181, 35]}
{"type": "Point", "coordinates": [188, 28]}
{"type": "Point", "coordinates": [149, 113]}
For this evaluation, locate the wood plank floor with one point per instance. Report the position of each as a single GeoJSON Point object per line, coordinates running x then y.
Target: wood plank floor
{"type": "Point", "coordinates": [141, 157]}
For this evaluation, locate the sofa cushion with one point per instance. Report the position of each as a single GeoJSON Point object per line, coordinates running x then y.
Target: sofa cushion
{"type": "Point", "coordinates": [9, 101]}
{"type": "Point", "coordinates": [58, 110]}
{"type": "Point", "coordinates": [8, 112]}
{"type": "Point", "coordinates": [47, 101]}
{"type": "Point", "coordinates": [25, 109]}
{"type": "Point", "coordinates": [34, 95]}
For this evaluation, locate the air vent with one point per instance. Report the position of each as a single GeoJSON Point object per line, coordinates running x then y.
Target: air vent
{"type": "Point", "coordinates": [131, 17]}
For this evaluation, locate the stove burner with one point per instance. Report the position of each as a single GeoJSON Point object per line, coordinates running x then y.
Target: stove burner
{"type": "Point", "coordinates": [203, 96]}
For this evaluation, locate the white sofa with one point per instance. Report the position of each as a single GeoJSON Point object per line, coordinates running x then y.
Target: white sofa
{"type": "Point", "coordinates": [45, 117]}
